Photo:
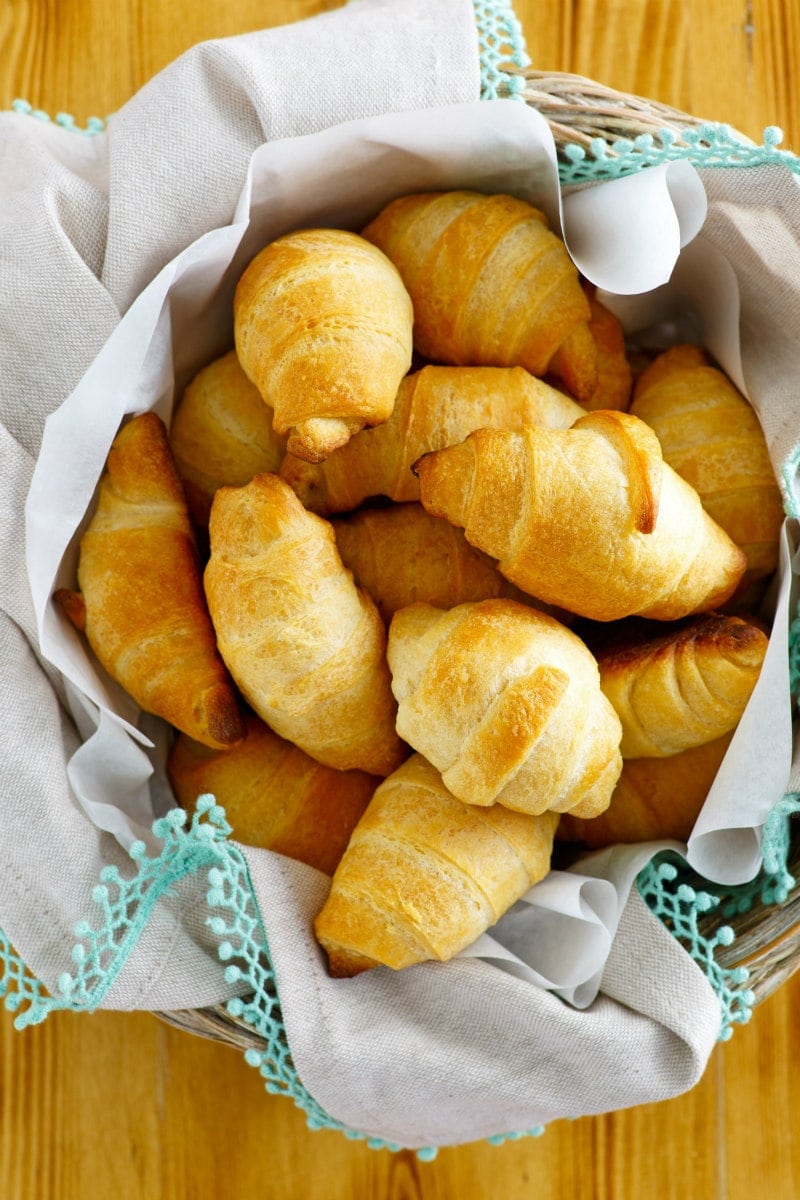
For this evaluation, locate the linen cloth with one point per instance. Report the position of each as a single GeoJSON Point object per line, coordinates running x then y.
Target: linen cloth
{"type": "Point", "coordinates": [437, 1054]}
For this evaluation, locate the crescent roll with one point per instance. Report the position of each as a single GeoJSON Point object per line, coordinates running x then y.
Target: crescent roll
{"type": "Point", "coordinates": [401, 555]}
{"type": "Point", "coordinates": [680, 687]}
{"type": "Point", "coordinates": [424, 874]}
{"type": "Point", "coordinates": [141, 599]}
{"type": "Point", "coordinates": [592, 519]}
{"type": "Point", "coordinates": [506, 703]}
{"type": "Point", "coordinates": [491, 284]}
{"type": "Point", "coordinates": [304, 644]}
{"type": "Point", "coordinates": [322, 324]}
{"type": "Point", "coordinates": [435, 407]}
{"type": "Point", "coordinates": [711, 436]}
{"type": "Point", "coordinates": [655, 798]}
{"type": "Point", "coordinates": [221, 434]}
{"type": "Point", "coordinates": [275, 796]}
{"type": "Point", "coordinates": [614, 372]}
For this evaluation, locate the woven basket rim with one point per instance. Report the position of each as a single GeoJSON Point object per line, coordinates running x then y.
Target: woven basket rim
{"type": "Point", "coordinates": [580, 110]}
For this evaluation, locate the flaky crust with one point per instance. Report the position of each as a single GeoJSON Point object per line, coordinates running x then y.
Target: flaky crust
{"type": "Point", "coordinates": [304, 644]}
{"type": "Point", "coordinates": [435, 407]}
{"type": "Point", "coordinates": [592, 519]}
{"type": "Point", "coordinates": [491, 284]}
{"type": "Point", "coordinates": [614, 373]}
{"type": "Point", "coordinates": [323, 324]}
{"type": "Point", "coordinates": [681, 687]}
{"type": "Point", "coordinates": [655, 798]}
{"type": "Point", "coordinates": [221, 434]}
{"type": "Point", "coordinates": [401, 555]}
{"type": "Point", "coordinates": [506, 704]}
{"type": "Point", "coordinates": [711, 436]}
{"type": "Point", "coordinates": [424, 874]}
{"type": "Point", "coordinates": [145, 613]}
{"type": "Point", "coordinates": [275, 796]}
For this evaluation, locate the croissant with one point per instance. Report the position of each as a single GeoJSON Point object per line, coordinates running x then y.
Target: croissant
{"type": "Point", "coordinates": [506, 703]}
{"type": "Point", "coordinates": [684, 686]}
{"type": "Point", "coordinates": [591, 520]}
{"type": "Point", "coordinates": [323, 328]}
{"type": "Point", "coordinates": [711, 436]}
{"type": "Point", "coordinates": [401, 554]}
{"type": "Point", "coordinates": [221, 434]}
{"type": "Point", "coordinates": [491, 285]}
{"type": "Point", "coordinates": [424, 875]}
{"type": "Point", "coordinates": [275, 796]}
{"type": "Point", "coordinates": [141, 599]}
{"type": "Point", "coordinates": [304, 644]}
{"type": "Point", "coordinates": [655, 798]}
{"type": "Point", "coordinates": [614, 373]}
{"type": "Point", "coordinates": [435, 407]}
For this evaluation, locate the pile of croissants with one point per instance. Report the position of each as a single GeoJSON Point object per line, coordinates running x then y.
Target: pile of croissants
{"type": "Point", "coordinates": [432, 570]}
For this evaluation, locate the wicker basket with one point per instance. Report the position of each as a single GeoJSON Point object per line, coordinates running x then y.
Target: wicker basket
{"type": "Point", "coordinates": [580, 111]}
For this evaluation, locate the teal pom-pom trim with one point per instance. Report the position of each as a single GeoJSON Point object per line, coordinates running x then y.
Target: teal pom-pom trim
{"type": "Point", "coordinates": [94, 125]}
{"type": "Point", "coordinates": [663, 885]}
{"type": "Point", "coordinates": [707, 145]}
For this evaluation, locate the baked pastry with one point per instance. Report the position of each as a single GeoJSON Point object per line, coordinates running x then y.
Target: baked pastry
{"type": "Point", "coordinates": [424, 874]}
{"type": "Point", "coordinates": [680, 687]}
{"type": "Point", "coordinates": [304, 644]}
{"type": "Point", "coordinates": [711, 436]}
{"type": "Point", "coordinates": [614, 373]}
{"type": "Point", "coordinates": [491, 284]}
{"type": "Point", "coordinates": [655, 798]}
{"type": "Point", "coordinates": [275, 796]}
{"type": "Point", "coordinates": [506, 703]}
{"type": "Point", "coordinates": [322, 324]}
{"type": "Point", "coordinates": [401, 555]}
{"type": "Point", "coordinates": [140, 599]}
{"type": "Point", "coordinates": [435, 407]}
{"type": "Point", "coordinates": [221, 434]}
{"type": "Point", "coordinates": [591, 520]}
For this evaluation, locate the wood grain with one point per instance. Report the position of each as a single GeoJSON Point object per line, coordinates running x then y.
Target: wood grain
{"type": "Point", "coordinates": [120, 1105]}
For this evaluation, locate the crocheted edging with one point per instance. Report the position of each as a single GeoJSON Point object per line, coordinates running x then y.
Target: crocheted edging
{"type": "Point", "coordinates": [671, 891]}
{"type": "Point", "coordinates": [66, 120]}
{"type": "Point", "coordinates": [501, 44]}
{"type": "Point", "coordinates": [126, 905]}
{"type": "Point", "coordinates": [708, 145]}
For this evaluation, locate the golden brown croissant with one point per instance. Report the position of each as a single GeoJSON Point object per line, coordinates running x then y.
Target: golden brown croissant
{"type": "Point", "coordinates": [591, 519]}
{"type": "Point", "coordinates": [711, 436]}
{"type": "Point", "coordinates": [655, 798]}
{"type": "Point", "coordinates": [424, 875]}
{"type": "Point", "coordinates": [614, 374]}
{"type": "Point", "coordinates": [322, 324]}
{"type": "Point", "coordinates": [506, 703]}
{"type": "Point", "coordinates": [490, 283]}
{"type": "Point", "coordinates": [684, 686]}
{"type": "Point", "coordinates": [401, 554]}
{"type": "Point", "coordinates": [275, 796]}
{"type": "Point", "coordinates": [221, 434]}
{"type": "Point", "coordinates": [435, 407]}
{"type": "Point", "coordinates": [141, 596]}
{"type": "Point", "coordinates": [304, 644]}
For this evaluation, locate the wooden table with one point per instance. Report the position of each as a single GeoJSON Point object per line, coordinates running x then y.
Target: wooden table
{"type": "Point", "coordinates": [120, 1106]}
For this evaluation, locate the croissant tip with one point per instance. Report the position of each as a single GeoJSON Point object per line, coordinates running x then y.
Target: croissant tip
{"type": "Point", "coordinates": [73, 607]}
{"type": "Point", "coordinates": [223, 718]}
{"type": "Point", "coordinates": [417, 462]}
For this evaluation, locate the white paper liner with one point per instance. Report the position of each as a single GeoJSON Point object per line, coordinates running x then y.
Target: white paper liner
{"type": "Point", "coordinates": [560, 934]}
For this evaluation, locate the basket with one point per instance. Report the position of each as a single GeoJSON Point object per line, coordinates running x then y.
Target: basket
{"type": "Point", "coordinates": [746, 939]}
